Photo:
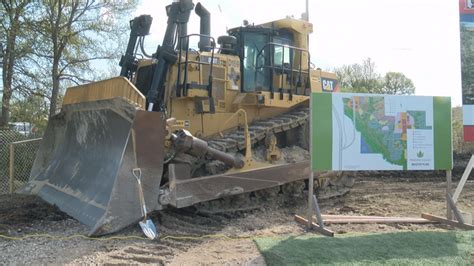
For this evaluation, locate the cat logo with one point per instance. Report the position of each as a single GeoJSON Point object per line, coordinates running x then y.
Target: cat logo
{"type": "Point", "coordinates": [329, 85]}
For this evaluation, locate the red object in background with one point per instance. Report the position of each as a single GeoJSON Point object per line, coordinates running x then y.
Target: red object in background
{"type": "Point", "coordinates": [468, 133]}
{"type": "Point", "coordinates": [464, 7]}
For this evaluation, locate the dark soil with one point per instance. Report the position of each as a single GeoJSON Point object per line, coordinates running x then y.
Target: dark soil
{"type": "Point", "coordinates": [18, 210]}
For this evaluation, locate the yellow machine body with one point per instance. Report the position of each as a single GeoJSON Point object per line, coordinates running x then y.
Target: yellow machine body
{"type": "Point", "coordinates": [219, 107]}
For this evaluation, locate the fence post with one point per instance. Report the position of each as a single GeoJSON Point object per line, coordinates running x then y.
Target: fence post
{"type": "Point", "coordinates": [11, 170]}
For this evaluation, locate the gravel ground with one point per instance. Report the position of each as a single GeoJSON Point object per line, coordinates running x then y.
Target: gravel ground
{"type": "Point", "coordinates": [22, 216]}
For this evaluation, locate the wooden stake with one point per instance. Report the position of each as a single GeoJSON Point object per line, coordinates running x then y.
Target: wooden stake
{"type": "Point", "coordinates": [315, 226]}
{"type": "Point", "coordinates": [334, 216]}
{"type": "Point", "coordinates": [446, 221]}
{"type": "Point", "coordinates": [381, 220]}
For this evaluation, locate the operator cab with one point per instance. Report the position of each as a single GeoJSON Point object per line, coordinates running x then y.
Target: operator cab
{"type": "Point", "coordinates": [273, 57]}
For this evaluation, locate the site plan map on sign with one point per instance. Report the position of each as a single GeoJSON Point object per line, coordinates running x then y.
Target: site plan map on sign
{"type": "Point", "coordinates": [381, 132]}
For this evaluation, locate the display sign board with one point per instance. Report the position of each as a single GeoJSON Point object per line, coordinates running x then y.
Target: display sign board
{"type": "Point", "coordinates": [353, 132]}
{"type": "Point", "coordinates": [466, 15]}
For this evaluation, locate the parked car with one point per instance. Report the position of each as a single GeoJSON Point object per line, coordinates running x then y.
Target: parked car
{"type": "Point", "coordinates": [24, 128]}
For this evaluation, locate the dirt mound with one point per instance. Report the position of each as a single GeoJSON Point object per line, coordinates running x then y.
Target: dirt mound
{"type": "Point", "coordinates": [25, 209]}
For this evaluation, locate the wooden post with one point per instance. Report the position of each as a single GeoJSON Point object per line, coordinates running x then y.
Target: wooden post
{"type": "Point", "coordinates": [311, 172]}
{"type": "Point", "coordinates": [11, 170]}
{"type": "Point", "coordinates": [11, 165]}
{"type": "Point", "coordinates": [449, 214]}
{"type": "Point", "coordinates": [310, 199]}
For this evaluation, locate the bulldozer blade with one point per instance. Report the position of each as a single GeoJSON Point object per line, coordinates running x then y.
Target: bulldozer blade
{"type": "Point", "coordinates": [85, 161]}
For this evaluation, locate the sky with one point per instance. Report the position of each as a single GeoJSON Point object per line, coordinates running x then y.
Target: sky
{"type": "Point", "coordinates": [419, 38]}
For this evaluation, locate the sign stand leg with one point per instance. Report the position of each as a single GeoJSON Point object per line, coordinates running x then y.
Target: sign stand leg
{"type": "Point", "coordinates": [313, 203]}
{"type": "Point", "coordinates": [464, 178]}
{"type": "Point", "coordinates": [310, 199]}
{"type": "Point", "coordinates": [318, 212]}
{"type": "Point", "coordinates": [449, 214]}
{"type": "Point", "coordinates": [309, 221]}
{"type": "Point", "coordinates": [451, 202]}
{"type": "Point", "coordinates": [454, 209]}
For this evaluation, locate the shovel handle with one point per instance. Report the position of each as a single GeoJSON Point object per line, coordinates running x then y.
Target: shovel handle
{"type": "Point", "coordinates": [137, 173]}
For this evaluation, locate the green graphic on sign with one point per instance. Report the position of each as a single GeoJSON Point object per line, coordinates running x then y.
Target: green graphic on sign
{"type": "Point", "coordinates": [380, 132]}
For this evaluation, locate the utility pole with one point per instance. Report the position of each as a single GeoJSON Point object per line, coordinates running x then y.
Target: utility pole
{"type": "Point", "coordinates": [307, 10]}
{"type": "Point", "coordinates": [305, 15]}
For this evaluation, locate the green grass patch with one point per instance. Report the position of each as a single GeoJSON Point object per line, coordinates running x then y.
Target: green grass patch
{"type": "Point", "coordinates": [400, 248]}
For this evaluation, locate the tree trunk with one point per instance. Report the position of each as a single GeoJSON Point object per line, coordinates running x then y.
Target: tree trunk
{"type": "Point", "coordinates": [7, 74]}
{"type": "Point", "coordinates": [5, 118]}
{"type": "Point", "coordinates": [7, 91]}
{"type": "Point", "coordinates": [9, 57]}
{"type": "Point", "coordinates": [55, 20]}
{"type": "Point", "coordinates": [55, 92]}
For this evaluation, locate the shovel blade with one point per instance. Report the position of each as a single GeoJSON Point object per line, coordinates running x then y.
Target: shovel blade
{"type": "Point", "coordinates": [148, 228]}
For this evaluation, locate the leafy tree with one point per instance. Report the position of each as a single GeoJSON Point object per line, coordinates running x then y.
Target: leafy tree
{"type": "Point", "coordinates": [13, 46]}
{"type": "Point", "coordinates": [359, 77]}
{"type": "Point", "coordinates": [397, 83]}
{"type": "Point", "coordinates": [72, 34]}
{"type": "Point", "coordinates": [363, 78]}
{"type": "Point", "coordinates": [49, 44]}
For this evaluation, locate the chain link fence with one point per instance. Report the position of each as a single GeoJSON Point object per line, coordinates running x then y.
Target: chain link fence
{"type": "Point", "coordinates": [17, 154]}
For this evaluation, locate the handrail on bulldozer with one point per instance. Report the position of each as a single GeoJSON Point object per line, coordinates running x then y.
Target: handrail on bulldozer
{"type": "Point", "coordinates": [248, 143]}
{"type": "Point", "coordinates": [181, 87]}
{"type": "Point", "coordinates": [292, 71]}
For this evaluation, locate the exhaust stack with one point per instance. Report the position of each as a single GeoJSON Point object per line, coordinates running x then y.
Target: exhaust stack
{"type": "Point", "coordinates": [205, 27]}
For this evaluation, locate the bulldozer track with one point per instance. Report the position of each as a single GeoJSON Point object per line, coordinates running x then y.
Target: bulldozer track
{"type": "Point", "coordinates": [235, 140]}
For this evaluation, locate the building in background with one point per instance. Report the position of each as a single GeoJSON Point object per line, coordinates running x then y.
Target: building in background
{"type": "Point", "coordinates": [466, 17]}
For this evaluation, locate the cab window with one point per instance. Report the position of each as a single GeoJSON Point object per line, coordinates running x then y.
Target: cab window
{"type": "Point", "coordinates": [255, 74]}
{"type": "Point", "coordinates": [282, 55]}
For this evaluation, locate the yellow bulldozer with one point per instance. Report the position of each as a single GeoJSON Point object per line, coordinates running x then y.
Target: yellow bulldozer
{"type": "Point", "coordinates": [192, 125]}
